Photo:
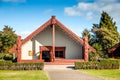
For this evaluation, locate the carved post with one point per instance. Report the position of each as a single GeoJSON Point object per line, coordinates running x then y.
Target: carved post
{"type": "Point", "coordinates": [19, 44]}
{"type": "Point", "coordinates": [86, 49]}
{"type": "Point", "coordinates": [40, 54]}
{"type": "Point", "coordinates": [53, 21]}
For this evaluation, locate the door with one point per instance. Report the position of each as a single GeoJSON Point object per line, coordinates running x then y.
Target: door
{"type": "Point", "coordinates": [46, 56]}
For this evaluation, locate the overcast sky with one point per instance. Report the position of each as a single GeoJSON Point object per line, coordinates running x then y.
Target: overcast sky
{"type": "Point", "coordinates": [25, 16]}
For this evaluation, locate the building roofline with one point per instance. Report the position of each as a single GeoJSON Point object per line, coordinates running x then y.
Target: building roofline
{"type": "Point", "coordinates": [45, 25]}
{"type": "Point", "coordinates": [114, 48]}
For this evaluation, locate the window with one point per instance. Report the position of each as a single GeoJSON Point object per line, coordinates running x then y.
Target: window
{"type": "Point", "coordinates": [59, 54]}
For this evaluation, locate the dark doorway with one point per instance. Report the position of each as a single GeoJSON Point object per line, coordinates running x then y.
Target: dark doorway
{"type": "Point", "coordinates": [59, 54]}
{"type": "Point", "coordinates": [46, 56]}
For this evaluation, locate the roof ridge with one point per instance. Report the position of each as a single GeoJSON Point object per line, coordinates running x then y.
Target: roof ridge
{"type": "Point", "coordinates": [50, 21]}
{"type": "Point", "coordinates": [39, 29]}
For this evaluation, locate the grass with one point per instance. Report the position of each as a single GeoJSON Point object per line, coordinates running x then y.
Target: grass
{"type": "Point", "coordinates": [22, 75]}
{"type": "Point", "coordinates": [105, 74]}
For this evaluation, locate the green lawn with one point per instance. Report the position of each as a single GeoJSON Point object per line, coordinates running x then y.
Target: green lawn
{"type": "Point", "coordinates": [22, 75]}
{"type": "Point", "coordinates": [105, 74]}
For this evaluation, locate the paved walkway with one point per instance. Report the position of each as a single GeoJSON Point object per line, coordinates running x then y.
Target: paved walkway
{"type": "Point", "coordinates": [66, 72]}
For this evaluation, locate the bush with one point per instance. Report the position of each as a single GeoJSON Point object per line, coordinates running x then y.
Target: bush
{"type": "Point", "coordinates": [7, 65]}
{"type": "Point", "coordinates": [110, 64]}
{"type": "Point", "coordinates": [93, 56]}
{"type": "Point", "coordinates": [8, 57]}
{"type": "Point", "coordinates": [86, 65]}
{"type": "Point", "coordinates": [103, 64]}
{"type": "Point", "coordinates": [27, 66]}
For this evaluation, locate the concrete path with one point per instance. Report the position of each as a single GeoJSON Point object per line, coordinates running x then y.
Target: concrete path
{"type": "Point", "coordinates": [66, 72]}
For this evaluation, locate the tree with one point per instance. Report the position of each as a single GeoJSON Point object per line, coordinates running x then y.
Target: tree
{"type": "Point", "coordinates": [105, 33]}
{"type": "Point", "coordinates": [86, 32]}
{"type": "Point", "coordinates": [92, 56]}
{"type": "Point", "coordinates": [7, 39]}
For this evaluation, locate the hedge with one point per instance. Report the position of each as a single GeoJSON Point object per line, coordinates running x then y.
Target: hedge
{"type": "Point", "coordinates": [102, 64]}
{"type": "Point", "coordinates": [6, 65]}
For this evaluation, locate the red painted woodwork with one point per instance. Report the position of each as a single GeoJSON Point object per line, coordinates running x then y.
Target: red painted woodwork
{"type": "Point", "coordinates": [62, 61]}
{"type": "Point", "coordinates": [114, 52]}
{"type": "Point", "coordinates": [13, 49]}
{"type": "Point", "coordinates": [46, 48]}
{"type": "Point", "coordinates": [40, 54]}
{"type": "Point", "coordinates": [61, 49]}
{"type": "Point", "coordinates": [53, 42]}
{"type": "Point", "coordinates": [86, 46]}
{"type": "Point", "coordinates": [114, 48]}
{"type": "Point", "coordinates": [53, 22]}
{"type": "Point", "coordinates": [49, 48]}
{"type": "Point", "coordinates": [41, 28]}
{"type": "Point", "coordinates": [19, 44]}
{"type": "Point", "coordinates": [69, 32]}
{"type": "Point", "coordinates": [23, 61]}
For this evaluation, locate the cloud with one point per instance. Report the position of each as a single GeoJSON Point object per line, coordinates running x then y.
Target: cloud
{"type": "Point", "coordinates": [13, 0]}
{"type": "Point", "coordinates": [92, 10]}
{"type": "Point", "coordinates": [72, 11]}
{"type": "Point", "coordinates": [48, 11]}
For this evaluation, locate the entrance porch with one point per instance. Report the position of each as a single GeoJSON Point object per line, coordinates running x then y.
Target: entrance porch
{"type": "Point", "coordinates": [47, 55]}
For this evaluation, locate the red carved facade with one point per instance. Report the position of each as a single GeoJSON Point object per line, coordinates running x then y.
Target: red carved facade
{"type": "Point", "coordinates": [114, 51]}
{"type": "Point", "coordinates": [49, 48]}
{"type": "Point", "coordinates": [19, 45]}
{"type": "Point", "coordinates": [86, 47]}
{"type": "Point", "coordinates": [52, 22]}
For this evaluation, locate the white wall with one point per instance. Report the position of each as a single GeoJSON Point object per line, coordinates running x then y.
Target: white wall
{"type": "Point", "coordinates": [44, 38]}
{"type": "Point", "coordinates": [73, 48]}
{"type": "Point", "coordinates": [25, 48]}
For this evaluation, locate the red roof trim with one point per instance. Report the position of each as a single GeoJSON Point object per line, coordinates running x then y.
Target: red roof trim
{"type": "Point", "coordinates": [92, 49]}
{"type": "Point", "coordinates": [37, 31]}
{"type": "Point", "coordinates": [48, 23]}
{"type": "Point", "coordinates": [113, 48]}
{"type": "Point", "coordinates": [13, 49]}
{"type": "Point", "coordinates": [69, 32]}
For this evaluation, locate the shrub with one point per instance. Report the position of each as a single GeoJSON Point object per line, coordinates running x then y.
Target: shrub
{"type": "Point", "coordinates": [93, 56]}
{"type": "Point", "coordinates": [27, 66]}
{"type": "Point", "coordinates": [8, 57]}
{"type": "Point", "coordinates": [7, 65]}
{"type": "Point", "coordinates": [86, 65]}
{"type": "Point", "coordinates": [103, 64]}
{"type": "Point", "coordinates": [110, 64]}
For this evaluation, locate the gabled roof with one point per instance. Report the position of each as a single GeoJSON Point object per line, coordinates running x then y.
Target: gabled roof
{"type": "Point", "coordinates": [49, 22]}
{"type": "Point", "coordinates": [45, 25]}
{"type": "Point", "coordinates": [114, 48]}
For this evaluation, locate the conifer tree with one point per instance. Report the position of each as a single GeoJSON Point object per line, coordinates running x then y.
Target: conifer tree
{"type": "Point", "coordinates": [7, 39]}
{"type": "Point", "coordinates": [105, 33]}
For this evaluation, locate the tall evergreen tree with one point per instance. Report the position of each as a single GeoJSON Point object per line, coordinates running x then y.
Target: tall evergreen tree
{"type": "Point", "coordinates": [7, 39]}
{"type": "Point", "coordinates": [105, 33]}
